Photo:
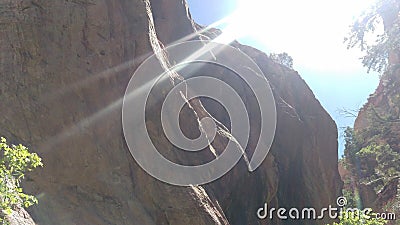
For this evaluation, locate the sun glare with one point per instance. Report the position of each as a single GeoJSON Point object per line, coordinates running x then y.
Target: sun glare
{"type": "Point", "coordinates": [311, 31]}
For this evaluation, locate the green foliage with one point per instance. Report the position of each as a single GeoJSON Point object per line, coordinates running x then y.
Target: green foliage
{"type": "Point", "coordinates": [351, 218]}
{"type": "Point", "coordinates": [386, 165]}
{"type": "Point", "coordinates": [351, 163]}
{"type": "Point", "coordinates": [15, 161]}
{"type": "Point", "coordinates": [283, 59]}
{"type": "Point", "coordinates": [351, 195]}
{"type": "Point", "coordinates": [352, 146]}
{"type": "Point", "coordinates": [378, 50]}
{"type": "Point", "coordinates": [371, 162]}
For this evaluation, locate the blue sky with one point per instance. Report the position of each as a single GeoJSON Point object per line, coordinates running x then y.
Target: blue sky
{"type": "Point", "coordinates": [312, 32]}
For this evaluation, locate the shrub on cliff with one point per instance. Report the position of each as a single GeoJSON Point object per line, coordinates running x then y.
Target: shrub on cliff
{"type": "Point", "coordinates": [387, 165]}
{"type": "Point", "coordinates": [282, 58]}
{"type": "Point", "coordinates": [15, 161]}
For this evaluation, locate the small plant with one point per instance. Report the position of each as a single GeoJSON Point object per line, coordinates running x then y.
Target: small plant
{"type": "Point", "coordinates": [15, 161]}
{"type": "Point", "coordinates": [283, 59]}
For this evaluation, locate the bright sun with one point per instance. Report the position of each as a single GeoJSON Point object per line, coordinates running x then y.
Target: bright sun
{"type": "Point", "coordinates": [307, 29]}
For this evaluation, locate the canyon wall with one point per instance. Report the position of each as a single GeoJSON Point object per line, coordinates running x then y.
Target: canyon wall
{"type": "Point", "coordinates": [64, 67]}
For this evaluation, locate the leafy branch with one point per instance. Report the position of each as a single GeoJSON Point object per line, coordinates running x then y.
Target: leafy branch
{"type": "Point", "coordinates": [15, 161]}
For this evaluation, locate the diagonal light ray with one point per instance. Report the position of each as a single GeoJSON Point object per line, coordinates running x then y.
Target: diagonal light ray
{"type": "Point", "coordinates": [81, 125]}
{"type": "Point", "coordinates": [130, 64]}
{"type": "Point", "coordinates": [87, 122]}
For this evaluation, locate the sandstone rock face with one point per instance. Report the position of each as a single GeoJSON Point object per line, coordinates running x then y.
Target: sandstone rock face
{"type": "Point", "coordinates": [64, 69]}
